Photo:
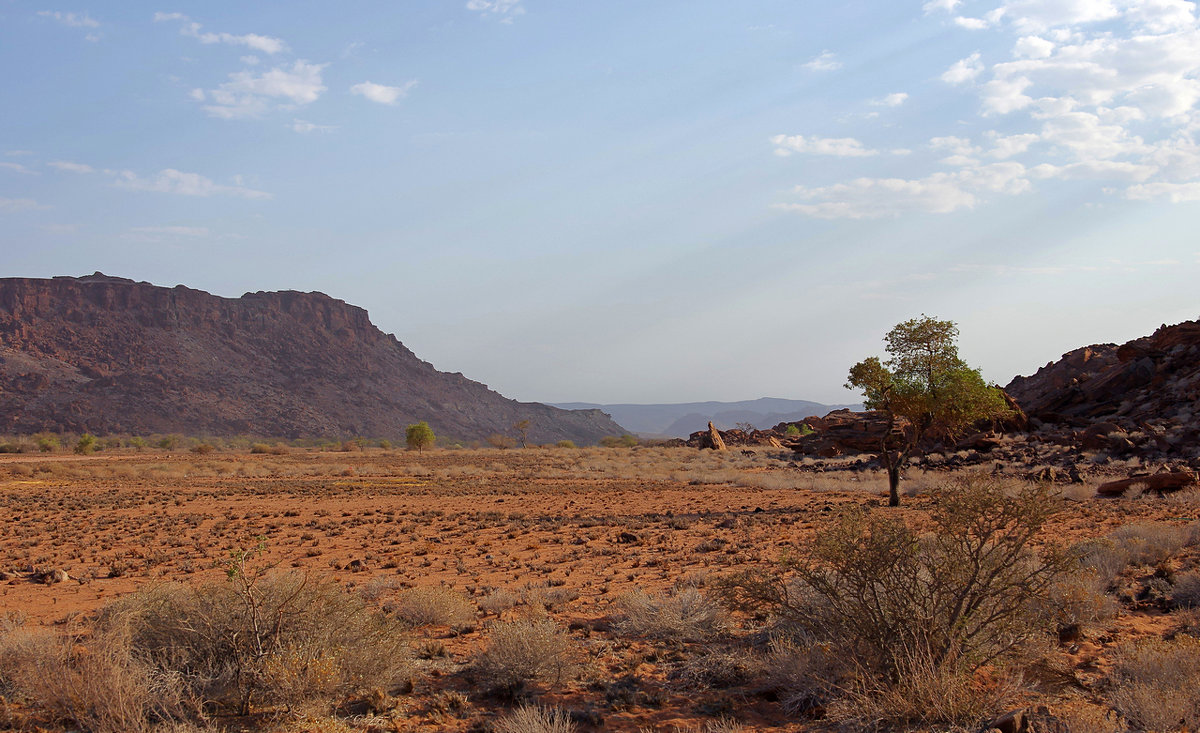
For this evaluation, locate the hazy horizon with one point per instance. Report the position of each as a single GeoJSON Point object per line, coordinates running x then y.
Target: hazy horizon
{"type": "Point", "coordinates": [621, 202]}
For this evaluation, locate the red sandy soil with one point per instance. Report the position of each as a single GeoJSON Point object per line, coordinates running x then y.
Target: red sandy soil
{"type": "Point", "coordinates": [598, 522]}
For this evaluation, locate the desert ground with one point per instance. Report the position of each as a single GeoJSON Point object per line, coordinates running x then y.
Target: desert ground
{"type": "Point", "coordinates": [594, 540]}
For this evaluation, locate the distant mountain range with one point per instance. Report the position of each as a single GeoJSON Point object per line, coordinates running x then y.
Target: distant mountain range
{"type": "Point", "coordinates": [682, 419]}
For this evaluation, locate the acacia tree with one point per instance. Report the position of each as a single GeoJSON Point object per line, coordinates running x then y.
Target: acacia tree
{"type": "Point", "coordinates": [419, 436]}
{"type": "Point", "coordinates": [927, 391]}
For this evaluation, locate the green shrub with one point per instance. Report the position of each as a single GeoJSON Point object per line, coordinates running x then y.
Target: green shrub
{"type": "Point", "coordinates": [86, 444]}
{"type": "Point", "coordinates": [419, 436]}
{"type": "Point", "coordinates": [565, 444]}
{"type": "Point", "coordinates": [46, 442]}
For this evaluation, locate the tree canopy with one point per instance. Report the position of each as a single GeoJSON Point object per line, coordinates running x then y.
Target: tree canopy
{"type": "Point", "coordinates": [419, 436]}
{"type": "Point", "coordinates": [928, 392]}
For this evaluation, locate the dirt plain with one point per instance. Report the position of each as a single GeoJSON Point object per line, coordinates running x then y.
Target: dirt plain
{"type": "Point", "coordinates": [570, 531]}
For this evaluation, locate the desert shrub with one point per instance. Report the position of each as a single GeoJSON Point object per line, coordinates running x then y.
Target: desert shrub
{"type": "Point", "coordinates": [565, 444]}
{"type": "Point", "coordinates": [543, 597]}
{"type": "Point", "coordinates": [925, 692]}
{"type": "Point", "coordinates": [536, 719]}
{"type": "Point", "coordinates": [806, 673]}
{"type": "Point", "coordinates": [720, 668]}
{"type": "Point", "coordinates": [500, 440]}
{"type": "Point", "coordinates": [1092, 720]}
{"type": "Point", "coordinates": [86, 444]}
{"type": "Point", "coordinates": [203, 449]}
{"type": "Point", "coordinates": [434, 606]}
{"type": "Point", "coordinates": [683, 615]}
{"type": "Point", "coordinates": [1103, 555]}
{"type": "Point", "coordinates": [523, 651]}
{"type": "Point", "coordinates": [1149, 544]}
{"type": "Point", "coordinates": [499, 601]}
{"type": "Point", "coordinates": [965, 591]}
{"type": "Point", "coordinates": [1077, 599]}
{"type": "Point", "coordinates": [265, 640]}
{"type": "Point", "coordinates": [1156, 684]}
{"type": "Point", "coordinates": [1186, 593]}
{"type": "Point", "coordinates": [619, 441]}
{"type": "Point", "coordinates": [95, 682]}
{"type": "Point", "coordinates": [46, 442]}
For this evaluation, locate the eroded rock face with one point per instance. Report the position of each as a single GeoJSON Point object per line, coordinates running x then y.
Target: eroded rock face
{"type": "Point", "coordinates": [110, 355]}
{"type": "Point", "coordinates": [1154, 379]}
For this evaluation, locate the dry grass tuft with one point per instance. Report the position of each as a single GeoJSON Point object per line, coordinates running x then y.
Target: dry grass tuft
{"type": "Point", "coordinates": [685, 615]}
{"type": "Point", "coordinates": [521, 652]}
{"type": "Point", "coordinates": [536, 719]}
{"type": "Point", "coordinates": [1156, 684]}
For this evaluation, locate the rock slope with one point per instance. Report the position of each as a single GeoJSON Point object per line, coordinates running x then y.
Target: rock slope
{"type": "Point", "coordinates": [110, 355]}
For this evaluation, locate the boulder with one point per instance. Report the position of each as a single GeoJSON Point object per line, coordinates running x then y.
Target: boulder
{"type": "Point", "coordinates": [1162, 483]}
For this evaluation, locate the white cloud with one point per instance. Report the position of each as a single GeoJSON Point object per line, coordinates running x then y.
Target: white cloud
{"type": "Point", "coordinates": [11, 206]}
{"type": "Point", "coordinates": [1033, 47]}
{"type": "Point", "coordinates": [971, 24]}
{"type": "Point", "coordinates": [192, 29]}
{"type": "Point", "coordinates": [940, 193]}
{"type": "Point", "coordinates": [170, 180]}
{"type": "Point", "coordinates": [249, 60]}
{"type": "Point", "coordinates": [894, 99]}
{"type": "Point", "coordinates": [825, 61]}
{"type": "Point", "coordinates": [506, 10]}
{"type": "Point", "coordinates": [247, 95]}
{"type": "Point", "coordinates": [1038, 15]}
{"type": "Point", "coordinates": [74, 20]}
{"type": "Point", "coordinates": [1006, 146]}
{"type": "Point", "coordinates": [1002, 96]}
{"type": "Point", "coordinates": [66, 165]}
{"type": "Point", "coordinates": [304, 127]}
{"type": "Point", "coordinates": [381, 93]}
{"type": "Point", "coordinates": [839, 146]}
{"type": "Point", "coordinates": [943, 5]}
{"type": "Point", "coordinates": [963, 70]}
{"type": "Point", "coordinates": [17, 167]}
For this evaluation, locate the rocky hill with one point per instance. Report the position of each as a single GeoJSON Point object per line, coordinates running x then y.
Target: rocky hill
{"type": "Point", "coordinates": [678, 420]}
{"type": "Point", "coordinates": [110, 355]}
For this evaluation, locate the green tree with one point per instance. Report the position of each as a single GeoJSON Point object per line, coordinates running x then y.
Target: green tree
{"type": "Point", "coordinates": [927, 391]}
{"type": "Point", "coordinates": [86, 444]}
{"type": "Point", "coordinates": [419, 436]}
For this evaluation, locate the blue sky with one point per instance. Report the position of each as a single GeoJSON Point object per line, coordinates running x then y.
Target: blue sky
{"type": "Point", "coordinates": [625, 201]}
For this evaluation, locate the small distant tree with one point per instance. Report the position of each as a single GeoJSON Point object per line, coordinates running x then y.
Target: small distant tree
{"type": "Point", "coordinates": [522, 428]}
{"type": "Point", "coordinates": [86, 444]}
{"type": "Point", "coordinates": [927, 391]}
{"type": "Point", "coordinates": [419, 436]}
{"type": "Point", "coordinates": [745, 427]}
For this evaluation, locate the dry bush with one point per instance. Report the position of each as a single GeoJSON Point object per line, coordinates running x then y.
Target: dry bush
{"type": "Point", "coordinates": [1156, 684]}
{"type": "Point", "coordinates": [536, 719]}
{"type": "Point", "coordinates": [97, 683]}
{"type": "Point", "coordinates": [1103, 555]}
{"type": "Point", "coordinates": [499, 601]}
{"type": "Point", "coordinates": [720, 668]}
{"type": "Point", "coordinates": [1092, 720]}
{"type": "Point", "coordinates": [925, 692]}
{"type": "Point", "coordinates": [521, 652]}
{"type": "Point", "coordinates": [266, 640]}
{"type": "Point", "coordinates": [1186, 593]}
{"type": "Point", "coordinates": [1150, 544]}
{"type": "Point", "coordinates": [807, 674]}
{"type": "Point", "coordinates": [967, 590]}
{"type": "Point", "coordinates": [683, 615]}
{"type": "Point", "coordinates": [435, 606]}
{"type": "Point", "coordinates": [1077, 600]}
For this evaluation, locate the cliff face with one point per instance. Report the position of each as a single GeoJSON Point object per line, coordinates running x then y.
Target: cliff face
{"type": "Point", "coordinates": [1153, 379]}
{"type": "Point", "coordinates": [109, 355]}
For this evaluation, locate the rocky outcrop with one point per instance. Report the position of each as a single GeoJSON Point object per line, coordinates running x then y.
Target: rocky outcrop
{"type": "Point", "coordinates": [1151, 380]}
{"type": "Point", "coordinates": [110, 355]}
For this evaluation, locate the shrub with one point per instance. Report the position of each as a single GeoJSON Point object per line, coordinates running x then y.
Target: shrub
{"type": "Point", "coordinates": [265, 640]}
{"type": "Point", "coordinates": [500, 440]}
{"type": "Point", "coordinates": [435, 606]}
{"type": "Point", "coordinates": [536, 719]}
{"type": "Point", "coordinates": [619, 441]}
{"type": "Point", "coordinates": [95, 682]}
{"type": "Point", "coordinates": [1156, 684]}
{"type": "Point", "coordinates": [203, 449]}
{"type": "Point", "coordinates": [1077, 599]}
{"type": "Point", "coordinates": [1186, 593]}
{"type": "Point", "coordinates": [523, 651]}
{"type": "Point", "coordinates": [965, 592]}
{"type": "Point", "coordinates": [46, 442]}
{"type": "Point", "coordinates": [86, 444]}
{"type": "Point", "coordinates": [686, 615]}
{"type": "Point", "coordinates": [565, 444]}
{"type": "Point", "coordinates": [1149, 544]}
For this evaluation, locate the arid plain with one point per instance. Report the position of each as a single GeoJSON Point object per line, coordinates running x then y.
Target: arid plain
{"type": "Point", "coordinates": [582, 537]}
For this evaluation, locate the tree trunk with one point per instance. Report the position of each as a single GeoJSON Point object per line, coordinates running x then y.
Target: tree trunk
{"type": "Point", "coordinates": [894, 485]}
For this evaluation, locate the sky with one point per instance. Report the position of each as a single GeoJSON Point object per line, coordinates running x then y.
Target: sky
{"type": "Point", "coordinates": [623, 201]}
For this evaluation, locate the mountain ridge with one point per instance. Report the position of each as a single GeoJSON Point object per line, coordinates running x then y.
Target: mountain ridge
{"type": "Point", "coordinates": [680, 419]}
{"type": "Point", "coordinates": [110, 355]}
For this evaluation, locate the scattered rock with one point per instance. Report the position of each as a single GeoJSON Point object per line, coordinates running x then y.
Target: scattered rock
{"type": "Point", "coordinates": [1162, 483]}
